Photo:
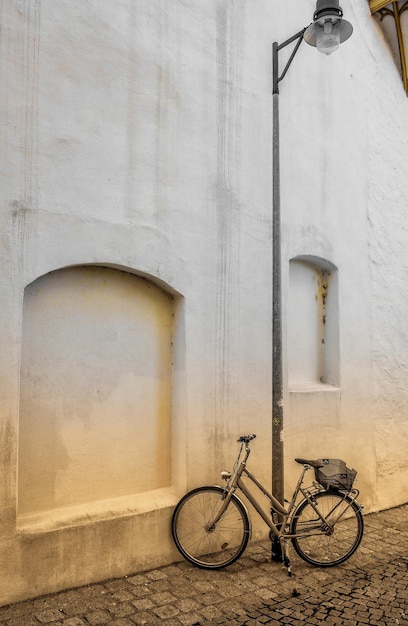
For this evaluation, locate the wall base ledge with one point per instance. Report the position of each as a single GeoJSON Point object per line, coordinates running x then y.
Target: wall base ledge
{"type": "Point", "coordinates": [313, 387]}
{"type": "Point", "coordinates": [100, 511]}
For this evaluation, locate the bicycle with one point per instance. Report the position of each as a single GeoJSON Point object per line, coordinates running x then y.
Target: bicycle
{"type": "Point", "coordinates": [211, 526]}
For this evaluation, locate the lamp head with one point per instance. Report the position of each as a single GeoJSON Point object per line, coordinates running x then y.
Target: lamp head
{"type": "Point", "coordinates": [329, 29]}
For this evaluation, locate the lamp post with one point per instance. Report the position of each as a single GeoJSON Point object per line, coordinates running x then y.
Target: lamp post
{"type": "Point", "coordinates": [327, 31]}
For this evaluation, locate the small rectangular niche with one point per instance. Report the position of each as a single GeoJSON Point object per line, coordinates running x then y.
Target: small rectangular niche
{"type": "Point", "coordinates": [313, 325]}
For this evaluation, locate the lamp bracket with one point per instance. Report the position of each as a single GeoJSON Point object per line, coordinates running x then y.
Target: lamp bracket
{"type": "Point", "coordinates": [276, 48]}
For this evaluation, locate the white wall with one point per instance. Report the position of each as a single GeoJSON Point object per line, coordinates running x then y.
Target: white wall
{"type": "Point", "coordinates": [136, 136]}
{"type": "Point", "coordinates": [343, 138]}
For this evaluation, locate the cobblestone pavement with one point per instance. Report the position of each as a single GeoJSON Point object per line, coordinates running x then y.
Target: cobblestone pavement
{"type": "Point", "coordinates": [370, 589]}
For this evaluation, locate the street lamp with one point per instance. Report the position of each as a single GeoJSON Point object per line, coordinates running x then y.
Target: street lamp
{"type": "Point", "coordinates": [327, 31]}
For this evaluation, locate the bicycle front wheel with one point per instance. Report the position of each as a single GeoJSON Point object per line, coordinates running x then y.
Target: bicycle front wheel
{"type": "Point", "coordinates": [330, 541]}
{"type": "Point", "coordinates": [206, 545]}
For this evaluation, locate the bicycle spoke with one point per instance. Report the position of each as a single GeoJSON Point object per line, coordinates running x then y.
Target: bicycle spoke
{"type": "Point", "coordinates": [201, 542]}
{"type": "Point", "coordinates": [333, 539]}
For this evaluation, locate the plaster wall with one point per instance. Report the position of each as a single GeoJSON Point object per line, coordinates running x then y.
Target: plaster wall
{"type": "Point", "coordinates": [136, 136]}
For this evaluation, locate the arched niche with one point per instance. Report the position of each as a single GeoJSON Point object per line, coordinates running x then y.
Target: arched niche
{"type": "Point", "coordinates": [95, 388]}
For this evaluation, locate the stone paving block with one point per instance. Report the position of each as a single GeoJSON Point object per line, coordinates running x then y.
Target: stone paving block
{"type": "Point", "coordinates": [265, 593]}
{"type": "Point", "coordinates": [98, 617]}
{"type": "Point", "coordinates": [144, 617]}
{"type": "Point", "coordinates": [137, 579]}
{"type": "Point", "coordinates": [48, 616]}
{"type": "Point", "coordinates": [163, 598]}
{"type": "Point", "coordinates": [143, 604]}
{"type": "Point", "coordinates": [211, 612]}
{"type": "Point", "coordinates": [123, 596]}
{"type": "Point", "coordinates": [122, 610]}
{"type": "Point", "coordinates": [204, 586]}
{"type": "Point", "coordinates": [210, 598]}
{"type": "Point", "coordinates": [188, 605]}
{"type": "Point", "coordinates": [166, 611]}
{"type": "Point", "coordinates": [376, 613]}
{"type": "Point", "coordinates": [180, 590]}
{"type": "Point", "coordinates": [192, 619]}
{"type": "Point", "coordinates": [157, 586]}
{"type": "Point", "coordinates": [143, 591]}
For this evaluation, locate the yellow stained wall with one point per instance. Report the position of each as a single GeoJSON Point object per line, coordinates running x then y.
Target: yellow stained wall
{"type": "Point", "coordinates": [95, 389]}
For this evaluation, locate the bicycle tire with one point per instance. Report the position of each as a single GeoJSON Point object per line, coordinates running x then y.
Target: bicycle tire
{"type": "Point", "coordinates": [219, 547]}
{"type": "Point", "coordinates": [332, 546]}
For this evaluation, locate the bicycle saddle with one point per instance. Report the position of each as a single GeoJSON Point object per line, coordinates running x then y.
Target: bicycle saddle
{"type": "Point", "coordinates": [246, 438]}
{"type": "Point", "coordinates": [316, 464]}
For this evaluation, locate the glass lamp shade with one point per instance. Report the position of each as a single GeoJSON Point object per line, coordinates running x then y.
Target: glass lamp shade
{"type": "Point", "coordinates": [328, 37]}
{"type": "Point", "coordinates": [329, 29]}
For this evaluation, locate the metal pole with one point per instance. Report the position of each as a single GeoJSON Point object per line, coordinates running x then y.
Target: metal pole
{"type": "Point", "coordinates": [277, 367]}
{"type": "Point", "coordinates": [277, 364]}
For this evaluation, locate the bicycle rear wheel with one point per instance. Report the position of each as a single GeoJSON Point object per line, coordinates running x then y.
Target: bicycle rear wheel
{"type": "Point", "coordinates": [327, 544]}
{"type": "Point", "coordinates": [219, 546]}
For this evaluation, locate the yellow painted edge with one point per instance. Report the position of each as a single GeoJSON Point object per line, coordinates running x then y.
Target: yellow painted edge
{"type": "Point", "coordinates": [376, 5]}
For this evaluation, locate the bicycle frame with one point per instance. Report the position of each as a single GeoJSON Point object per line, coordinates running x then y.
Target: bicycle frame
{"type": "Point", "coordinates": [210, 535]}
{"type": "Point", "coordinates": [235, 482]}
